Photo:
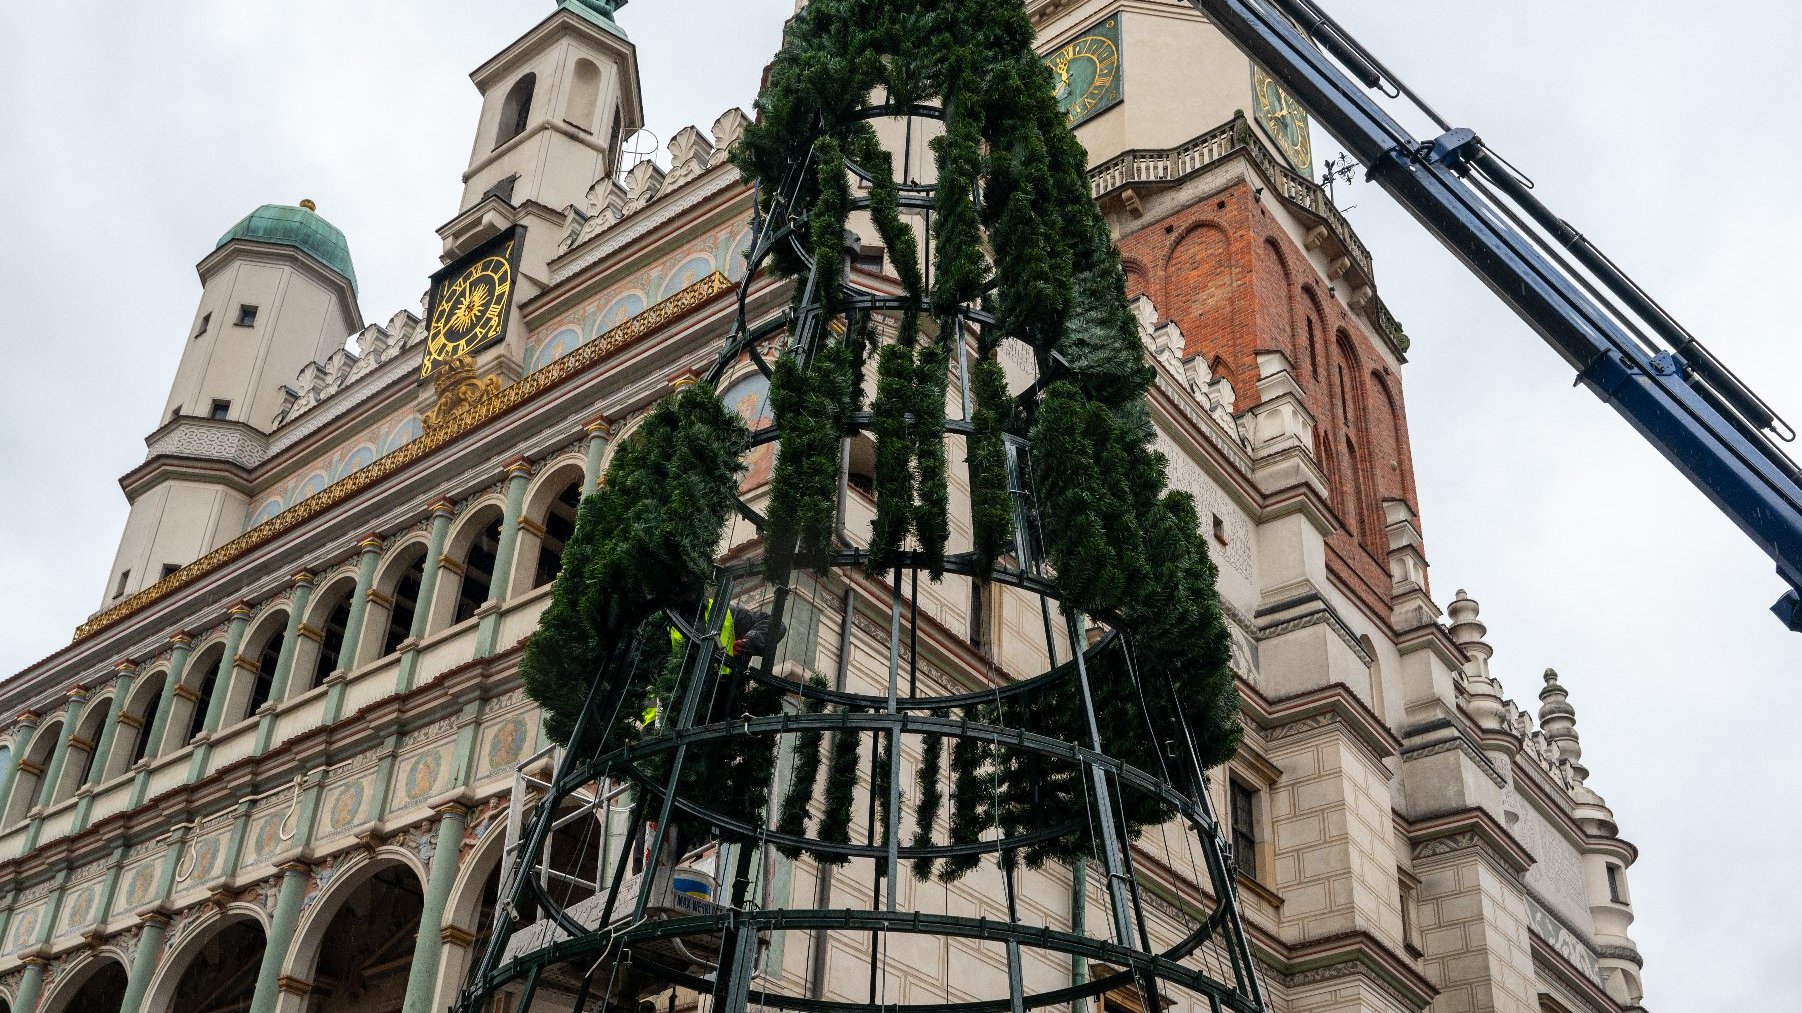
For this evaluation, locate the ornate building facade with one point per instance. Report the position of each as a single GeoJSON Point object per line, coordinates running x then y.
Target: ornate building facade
{"type": "Point", "coordinates": [279, 768]}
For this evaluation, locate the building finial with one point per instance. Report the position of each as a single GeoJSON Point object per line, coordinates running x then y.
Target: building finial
{"type": "Point", "coordinates": [1559, 721]}
{"type": "Point", "coordinates": [1468, 631]}
{"type": "Point", "coordinates": [306, 204]}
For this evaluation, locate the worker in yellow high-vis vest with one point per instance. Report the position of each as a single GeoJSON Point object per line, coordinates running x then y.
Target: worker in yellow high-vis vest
{"type": "Point", "coordinates": [744, 635]}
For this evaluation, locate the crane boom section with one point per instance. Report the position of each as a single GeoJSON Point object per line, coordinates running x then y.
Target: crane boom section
{"type": "Point", "coordinates": [1624, 347]}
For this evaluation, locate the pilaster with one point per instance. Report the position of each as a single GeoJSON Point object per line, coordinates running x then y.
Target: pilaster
{"type": "Point", "coordinates": [144, 960]}
{"type": "Point", "coordinates": [594, 447]}
{"type": "Point", "coordinates": [222, 689]}
{"type": "Point", "coordinates": [281, 934]}
{"type": "Point", "coordinates": [23, 728]}
{"type": "Point", "coordinates": [422, 979]}
{"type": "Point", "coordinates": [369, 549]}
{"type": "Point", "coordinates": [519, 474]}
{"type": "Point", "coordinates": [442, 512]}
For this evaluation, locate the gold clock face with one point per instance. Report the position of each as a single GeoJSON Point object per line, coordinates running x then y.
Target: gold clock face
{"type": "Point", "coordinates": [1283, 120]}
{"type": "Point", "coordinates": [469, 310]}
{"type": "Point", "coordinates": [1088, 72]}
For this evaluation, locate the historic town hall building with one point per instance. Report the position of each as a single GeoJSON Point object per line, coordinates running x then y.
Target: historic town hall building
{"type": "Point", "coordinates": [276, 769]}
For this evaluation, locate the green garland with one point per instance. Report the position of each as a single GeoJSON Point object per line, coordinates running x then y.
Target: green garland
{"type": "Point", "coordinates": [932, 758]}
{"type": "Point", "coordinates": [841, 792]}
{"type": "Point", "coordinates": [793, 815]}
{"type": "Point", "coordinates": [972, 798]}
{"type": "Point", "coordinates": [642, 543]}
{"type": "Point", "coordinates": [804, 487]}
{"type": "Point", "coordinates": [991, 506]}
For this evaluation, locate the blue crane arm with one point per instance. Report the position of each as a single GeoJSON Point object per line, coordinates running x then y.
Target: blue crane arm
{"type": "Point", "coordinates": [1625, 348]}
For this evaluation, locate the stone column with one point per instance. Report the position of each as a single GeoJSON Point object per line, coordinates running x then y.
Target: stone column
{"type": "Point", "coordinates": [222, 686]}
{"type": "Point", "coordinates": [127, 675]}
{"type": "Point", "coordinates": [599, 431]}
{"type": "Point", "coordinates": [143, 961]}
{"type": "Point", "coordinates": [27, 999]}
{"type": "Point", "coordinates": [26, 723]}
{"type": "Point", "coordinates": [181, 644]}
{"type": "Point", "coordinates": [78, 696]}
{"type": "Point", "coordinates": [297, 607]}
{"type": "Point", "coordinates": [433, 568]}
{"type": "Point", "coordinates": [422, 980]}
{"type": "Point", "coordinates": [370, 549]}
{"type": "Point", "coordinates": [284, 660]}
{"type": "Point", "coordinates": [281, 934]}
{"type": "Point", "coordinates": [519, 475]}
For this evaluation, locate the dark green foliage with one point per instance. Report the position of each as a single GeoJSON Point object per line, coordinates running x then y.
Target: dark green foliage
{"type": "Point", "coordinates": [932, 759]}
{"type": "Point", "coordinates": [793, 816]}
{"type": "Point", "coordinates": [841, 792]}
{"type": "Point", "coordinates": [991, 507]}
{"type": "Point", "coordinates": [931, 513]}
{"type": "Point", "coordinates": [1013, 226]}
{"type": "Point", "coordinates": [811, 409]}
{"type": "Point", "coordinates": [643, 542]}
{"type": "Point", "coordinates": [894, 472]}
{"type": "Point", "coordinates": [972, 798]}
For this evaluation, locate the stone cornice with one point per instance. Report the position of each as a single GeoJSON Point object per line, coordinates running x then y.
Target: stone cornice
{"type": "Point", "coordinates": [1357, 954]}
{"type": "Point", "coordinates": [1556, 966]}
{"type": "Point", "coordinates": [1327, 706]}
{"type": "Point", "coordinates": [1467, 829]}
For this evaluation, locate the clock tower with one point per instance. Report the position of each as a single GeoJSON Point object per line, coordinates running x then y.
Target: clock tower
{"type": "Point", "coordinates": [555, 106]}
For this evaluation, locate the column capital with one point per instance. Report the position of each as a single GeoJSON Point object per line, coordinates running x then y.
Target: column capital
{"type": "Point", "coordinates": [370, 543]}
{"type": "Point", "coordinates": [684, 380]}
{"type": "Point", "coordinates": [598, 427]}
{"type": "Point", "coordinates": [181, 640]}
{"type": "Point", "coordinates": [459, 810]}
{"type": "Point", "coordinates": [37, 960]}
{"type": "Point", "coordinates": [78, 693]}
{"type": "Point", "coordinates": [301, 578]}
{"type": "Point", "coordinates": [296, 866]}
{"type": "Point", "coordinates": [290, 985]}
{"type": "Point", "coordinates": [242, 611]}
{"type": "Point", "coordinates": [442, 507]}
{"type": "Point", "coordinates": [125, 667]}
{"type": "Point", "coordinates": [28, 718]}
{"type": "Point", "coordinates": [519, 467]}
{"type": "Point", "coordinates": [156, 916]}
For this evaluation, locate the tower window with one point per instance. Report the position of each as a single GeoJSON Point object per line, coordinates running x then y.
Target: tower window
{"type": "Point", "coordinates": [119, 588]}
{"type": "Point", "coordinates": [516, 109]}
{"type": "Point", "coordinates": [1245, 834]}
{"type": "Point", "coordinates": [1616, 889]}
{"type": "Point", "coordinates": [169, 570]}
{"type": "Point", "coordinates": [205, 321]}
{"type": "Point", "coordinates": [221, 410]}
{"type": "Point", "coordinates": [247, 315]}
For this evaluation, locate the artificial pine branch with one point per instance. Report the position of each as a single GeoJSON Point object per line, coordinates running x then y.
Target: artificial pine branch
{"type": "Point", "coordinates": [841, 791]}
{"type": "Point", "coordinates": [792, 818]}
{"type": "Point", "coordinates": [932, 757]}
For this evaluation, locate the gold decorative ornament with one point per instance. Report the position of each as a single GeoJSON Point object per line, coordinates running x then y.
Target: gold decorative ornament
{"type": "Point", "coordinates": [458, 390]}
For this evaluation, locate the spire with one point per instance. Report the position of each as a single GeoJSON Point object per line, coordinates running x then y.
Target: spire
{"type": "Point", "coordinates": [1486, 706]}
{"type": "Point", "coordinates": [1559, 720]}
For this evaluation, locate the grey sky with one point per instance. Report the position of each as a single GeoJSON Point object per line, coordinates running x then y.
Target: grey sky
{"type": "Point", "coordinates": [137, 133]}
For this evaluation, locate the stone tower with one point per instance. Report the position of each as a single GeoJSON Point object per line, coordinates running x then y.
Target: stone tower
{"type": "Point", "coordinates": [277, 292]}
{"type": "Point", "coordinates": [555, 105]}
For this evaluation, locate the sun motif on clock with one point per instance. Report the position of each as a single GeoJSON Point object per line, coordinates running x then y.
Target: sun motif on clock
{"type": "Point", "coordinates": [1087, 70]}
{"type": "Point", "coordinates": [1284, 121]}
{"type": "Point", "coordinates": [470, 303]}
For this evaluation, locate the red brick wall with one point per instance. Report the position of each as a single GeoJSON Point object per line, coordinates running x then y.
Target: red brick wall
{"type": "Point", "coordinates": [1232, 279]}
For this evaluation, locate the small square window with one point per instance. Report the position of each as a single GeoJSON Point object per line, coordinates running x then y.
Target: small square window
{"type": "Point", "coordinates": [1219, 529]}
{"type": "Point", "coordinates": [221, 410]}
{"type": "Point", "coordinates": [205, 322]}
{"type": "Point", "coordinates": [119, 588]}
{"type": "Point", "coordinates": [169, 570]}
{"type": "Point", "coordinates": [247, 315]}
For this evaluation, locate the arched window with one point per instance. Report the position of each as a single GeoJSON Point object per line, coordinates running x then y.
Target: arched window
{"type": "Point", "coordinates": [267, 660]}
{"type": "Point", "coordinates": [406, 599]}
{"type": "Point", "coordinates": [1313, 353]}
{"type": "Point", "coordinates": [584, 95]}
{"type": "Point", "coordinates": [82, 746]}
{"type": "Point", "coordinates": [149, 703]}
{"type": "Point", "coordinates": [332, 637]}
{"type": "Point", "coordinates": [203, 678]}
{"type": "Point", "coordinates": [478, 571]}
{"type": "Point", "coordinates": [34, 763]}
{"type": "Point", "coordinates": [559, 525]}
{"type": "Point", "coordinates": [516, 109]}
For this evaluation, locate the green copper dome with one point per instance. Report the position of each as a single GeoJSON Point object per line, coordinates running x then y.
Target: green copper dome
{"type": "Point", "coordinates": [300, 227]}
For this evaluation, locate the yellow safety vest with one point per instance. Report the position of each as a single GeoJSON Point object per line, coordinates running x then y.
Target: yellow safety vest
{"type": "Point", "coordinates": [727, 640]}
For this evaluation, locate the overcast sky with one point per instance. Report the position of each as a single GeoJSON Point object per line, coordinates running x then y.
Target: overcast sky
{"type": "Point", "coordinates": [137, 133]}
